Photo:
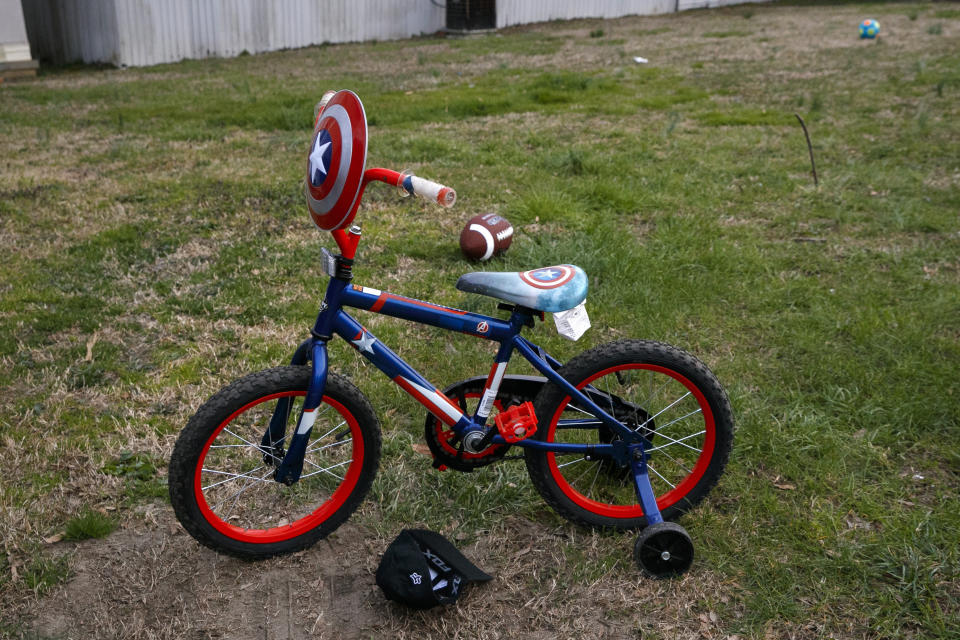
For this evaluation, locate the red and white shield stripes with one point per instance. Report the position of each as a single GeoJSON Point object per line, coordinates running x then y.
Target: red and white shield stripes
{"type": "Point", "coordinates": [336, 161]}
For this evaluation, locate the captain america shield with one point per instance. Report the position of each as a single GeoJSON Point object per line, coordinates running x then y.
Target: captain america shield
{"type": "Point", "coordinates": [335, 162]}
{"type": "Point", "coordinates": [548, 277]}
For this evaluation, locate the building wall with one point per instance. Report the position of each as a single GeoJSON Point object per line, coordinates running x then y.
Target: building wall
{"type": "Point", "coordinates": [710, 4]}
{"type": "Point", "coordinates": [72, 30]}
{"type": "Point", "coordinates": [13, 33]}
{"type": "Point", "coordinates": [145, 32]}
{"type": "Point", "coordinates": [513, 12]}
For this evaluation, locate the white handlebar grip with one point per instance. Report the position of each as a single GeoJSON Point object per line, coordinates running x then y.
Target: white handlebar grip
{"type": "Point", "coordinates": [444, 196]}
{"type": "Point", "coordinates": [318, 108]}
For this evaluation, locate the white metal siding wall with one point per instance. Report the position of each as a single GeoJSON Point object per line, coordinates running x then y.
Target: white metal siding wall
{"type": "Point", "coordinates": [143, 32]}
{"type": "Point", "coordinates": [512, 12]}
{"type": "Point", "coordinates": [153, 31]}
{"type": "Point", "coordinates": [67, 31]}
{"type": "Point", "coordinates": [704, 4]}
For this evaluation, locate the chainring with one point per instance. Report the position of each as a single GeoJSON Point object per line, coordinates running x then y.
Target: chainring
{"type": "Point", "coordinates": [444, 443]}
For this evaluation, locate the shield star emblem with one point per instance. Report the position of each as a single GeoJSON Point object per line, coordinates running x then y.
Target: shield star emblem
{"type": "Point", "coordinates": [336, 162]}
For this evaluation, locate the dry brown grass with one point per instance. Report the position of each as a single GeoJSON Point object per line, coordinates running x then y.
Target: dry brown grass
{"type": "Point", "coordinates": [151, 580]}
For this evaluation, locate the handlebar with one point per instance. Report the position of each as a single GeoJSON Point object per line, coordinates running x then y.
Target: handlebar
{"type": "Point", "coordinates": [406, 183]}
{"type": "Point", "coordinates": [409, 184]}
{"type": "Point", "coordinates": [346, 236]}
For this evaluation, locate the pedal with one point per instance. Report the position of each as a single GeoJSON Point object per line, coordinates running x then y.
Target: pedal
{"type": "Point", "coordinates": [517, 423]}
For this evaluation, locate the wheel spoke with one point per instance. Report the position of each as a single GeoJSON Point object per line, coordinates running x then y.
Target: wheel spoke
{"type": "Point", "coordinates": [674, 460]}
{"type": "Point", "coordinates": [332, 429]}
{"type": "Point", "coordinates": [315, 446]}
{"type": "Point", "coordinates": [325, 470]}
{"type": "Point", "coordinates": [672, 486]}
{"type": "Point", "coordinates": [667, 408]}
{"type": "Point", "coordinates": [596, 474]}
{"type": "Point", "coordinates": [257, 447]}
{"type": "Point", "coordinates": [661, 427]}
{"type": "Point", "coordinates": [680, 442]}
{"type": "Point", "coordinates": [567, 464]}
{"type": "Point", "coordinates": [584, 471]}
{"type": "Point", "coordinates": [236, 495]}
{"type": "Point", "coordinates": [609, 395]}
{"type": "Point", "coordinates": [233, 476]}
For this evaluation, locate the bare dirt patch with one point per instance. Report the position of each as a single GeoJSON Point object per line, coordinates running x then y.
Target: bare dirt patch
{"type": "Point", "coordinates": [151, 580]}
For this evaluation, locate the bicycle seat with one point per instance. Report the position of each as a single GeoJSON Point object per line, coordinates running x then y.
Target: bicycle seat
{"type": "Point", "coordinates": [552, 289]}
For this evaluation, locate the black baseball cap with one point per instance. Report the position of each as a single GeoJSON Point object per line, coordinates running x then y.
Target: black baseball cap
{"type": "Point", "coordinates": [422, 569]}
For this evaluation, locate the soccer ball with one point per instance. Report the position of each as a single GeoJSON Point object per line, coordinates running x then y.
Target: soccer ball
{"type": "Point", "coordinates": [869, 28]}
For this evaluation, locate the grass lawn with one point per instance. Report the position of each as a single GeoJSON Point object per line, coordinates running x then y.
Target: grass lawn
{"type": "Point", "coordinates": [155, 245]}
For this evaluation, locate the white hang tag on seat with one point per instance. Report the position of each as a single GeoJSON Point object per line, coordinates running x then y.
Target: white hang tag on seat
{"type": "Point", "coordinates": [572, 323]}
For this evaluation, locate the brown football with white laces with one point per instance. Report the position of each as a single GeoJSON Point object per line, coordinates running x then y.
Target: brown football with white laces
{"type": "Point", "coordinates": [485, 236]}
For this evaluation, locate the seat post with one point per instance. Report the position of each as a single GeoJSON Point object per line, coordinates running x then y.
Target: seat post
{"type": "Point", "coordinates": [521, 316]}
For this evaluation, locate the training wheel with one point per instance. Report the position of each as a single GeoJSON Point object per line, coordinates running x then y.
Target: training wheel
{"type": "Point", "coordinates": [663, 550]}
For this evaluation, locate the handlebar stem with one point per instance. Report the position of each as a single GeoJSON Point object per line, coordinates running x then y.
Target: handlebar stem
{"type": "Point", "coordinates": [347, 240]}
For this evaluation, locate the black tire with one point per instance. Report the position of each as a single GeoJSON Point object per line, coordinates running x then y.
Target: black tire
{"type": "Point", "coordinates": [663, 550]}
{"type": "Point", "coordinates": [221, 478]}
{"type": "Point", "coordinates": [668, 396]}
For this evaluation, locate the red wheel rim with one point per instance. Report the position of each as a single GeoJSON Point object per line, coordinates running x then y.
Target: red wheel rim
{"type": "Point", "coordinates": [667, 499]}
{"type": "Point", "coordinates": [305, 523]}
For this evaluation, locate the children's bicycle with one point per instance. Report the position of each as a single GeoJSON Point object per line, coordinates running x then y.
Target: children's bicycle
{"type": "Point", "coordinates": [627, 435]}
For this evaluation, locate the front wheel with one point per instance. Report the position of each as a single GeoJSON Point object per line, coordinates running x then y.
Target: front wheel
{"type": "Point", "coordinates": [663, 394]}
{"type": "Point", "coordinates": [221, 475]}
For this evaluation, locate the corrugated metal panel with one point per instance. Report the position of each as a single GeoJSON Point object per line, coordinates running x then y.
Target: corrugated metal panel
{"type": "Point", "coordinates": [684, 5]}
{"type": "Point", "coordinates": [142, 32]}
{"type": "Point", "coordinates": [12, 28]}
{"type": "Point", "coordinates": [512, 12]}
{"type": "Point", "coordinates": [68, 31]}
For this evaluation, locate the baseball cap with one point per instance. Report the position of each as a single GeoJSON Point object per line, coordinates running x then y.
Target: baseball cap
{"type": "Point", "coordinates": [422, 569]}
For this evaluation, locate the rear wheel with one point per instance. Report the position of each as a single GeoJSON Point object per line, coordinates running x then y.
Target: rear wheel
{"type": "Point", "coordinates": [662, 393]}
{"type": "Point", "coordinates": [221, 476]}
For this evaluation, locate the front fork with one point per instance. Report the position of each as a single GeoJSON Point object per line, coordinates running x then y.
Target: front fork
{"type": "Point", "coordinates": [291, 466]}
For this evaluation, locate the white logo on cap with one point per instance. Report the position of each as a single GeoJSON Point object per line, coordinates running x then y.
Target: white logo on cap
{"type": "Point", "coordinates": [416, 577]}
{"type": "Point", "coordinates": [437, 560]}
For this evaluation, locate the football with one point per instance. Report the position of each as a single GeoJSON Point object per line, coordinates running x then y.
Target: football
{"type": "Point", "coordinates": [485, 235]}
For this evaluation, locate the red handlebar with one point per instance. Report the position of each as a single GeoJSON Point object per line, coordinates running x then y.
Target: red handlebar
{"type": "Point", "coordinates": [409, 184]}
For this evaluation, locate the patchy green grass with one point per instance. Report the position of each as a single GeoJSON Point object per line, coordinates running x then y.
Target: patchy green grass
{"type": "Point", "coordinates": [727, 34]}
{"type": "Point", "coordinates": [156, 246]}
{"type": "Point", "coordinates": [89, 524]}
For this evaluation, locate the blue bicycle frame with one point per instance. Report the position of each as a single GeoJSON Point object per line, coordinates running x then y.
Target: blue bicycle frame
{"type": "Point", "coordinates": [333, 320]}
